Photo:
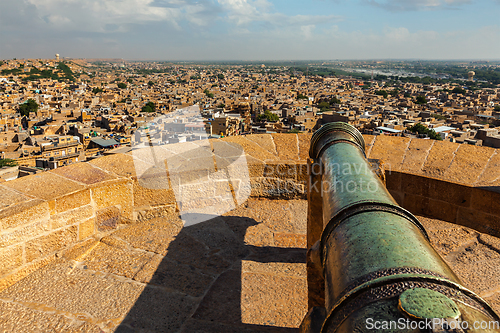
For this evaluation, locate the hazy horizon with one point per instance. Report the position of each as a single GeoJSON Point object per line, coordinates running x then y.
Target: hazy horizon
{"type": "Point", "coordinates": [259, 61]}
{"type": "Point", "coordinates": [251, 30]}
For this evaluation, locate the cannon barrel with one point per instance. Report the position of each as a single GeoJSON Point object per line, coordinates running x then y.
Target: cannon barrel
{"type": "Point", "coordinates": [381, 273]}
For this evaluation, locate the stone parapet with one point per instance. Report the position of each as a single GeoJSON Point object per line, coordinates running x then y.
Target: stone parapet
{"type": "Point", "coordinates": [458, 163]}
{"type": "Point", "coordinates": [473, 207]}
{"type": "Point", "coordinates": [457, 183]}
{"type": "Point", "coordinates": [43, 214]}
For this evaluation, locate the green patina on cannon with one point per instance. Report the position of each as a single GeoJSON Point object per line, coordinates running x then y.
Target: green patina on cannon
{"type": "Point", "coordinates": [379, 270]}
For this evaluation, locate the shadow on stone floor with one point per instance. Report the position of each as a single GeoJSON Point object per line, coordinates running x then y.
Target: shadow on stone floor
{"type": "Point", "coordinates": [211, 281]}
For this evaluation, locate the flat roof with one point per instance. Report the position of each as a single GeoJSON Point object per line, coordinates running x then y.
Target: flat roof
{"type": "Point", "coordinates": [387, 129]}
{"type": "Point", "coordinates": [105, 142]}
{"type": "Point", "coordinates": [443, 129]}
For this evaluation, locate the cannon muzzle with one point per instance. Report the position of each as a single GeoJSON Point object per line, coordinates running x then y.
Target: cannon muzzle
{"type": "Point", "coordinates": [379, 270]}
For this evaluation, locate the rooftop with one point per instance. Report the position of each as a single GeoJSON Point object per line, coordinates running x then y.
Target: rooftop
{"type": "Point", "coordinates": [388, 129]}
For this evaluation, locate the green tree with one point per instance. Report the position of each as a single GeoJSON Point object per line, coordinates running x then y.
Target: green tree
{"type": "Point", "coordinates": [268, 116]}
{"type": "Point", "coordinates": [335, 100]}
{"type": "Point", "coordinates": [324, 106]}
{"type": "Point", "coordinates": [433, 135]}
{"type": "Point", "coordinates": [130, 80]}
{"type": "Point", "coordinates": [421, 99]}
{"type": "Point", "coordinates": [149, 107]}
{"type": "Point", "coordinates": [497, 107]}
{"type": "Point", "coordinates": [381, 93]}
{"type": "Point", "coordinates": [151, 83]}
{"type": "Point", "coordinates": [208, 93]}
{"type": "Point", "coordinates": [7, 162]}
{"type": "Point", "coordinates": [421, 129]}
{"type": "Point", "coordinates": [220, 76]}
{"type": "Point", "coordinates": [394, 92]}
{"type": "Point", "coordinates": [97, 90]}
{"type": "Point", "coordinates": [300, 96]}
{"type": "Point", "coordinates": [68, 73]}
{"type": "Point", "coordinates": [418, 128]}
{"type": "Point", "coordinates": [221, 105]}
{"type": "Point", "coordinates": [122, 85]}
{"type": "Point", "coordinates": [30, 106]}
{"type": "Point", "coordinates": [438, 116]}
{"type": "Point", "coordinates": [458, 90]}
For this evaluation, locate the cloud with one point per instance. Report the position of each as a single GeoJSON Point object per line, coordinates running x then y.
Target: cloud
{"type": "Point", "coordinates": [307, 30]}
{"type": "Point", "coordinates": [246, 12]}
{"type": "Point", "coordinates": [230, 29]}
{"type": "Point", "coordinates": [403, 43]}
{"type": "Point", "coordinates": [16, 12]}
{"type": "Point", "coordinates": [95, 15]}
{"type": "Point", "coordinates": [99, 15]}
{"type": "Point", "coordinates": [112, 16]}
{"type": "Point", "coordinates": [198, 12]}
{"type": "Point", "coordinates": [397, 34]}
{"type": "Point", "coordinates": [414, 5]}
{"type": "Point", "coordinates": [162, 28]}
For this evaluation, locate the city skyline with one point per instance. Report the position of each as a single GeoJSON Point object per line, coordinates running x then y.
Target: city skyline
{"type": "Point", "coordinates": [250, 30]}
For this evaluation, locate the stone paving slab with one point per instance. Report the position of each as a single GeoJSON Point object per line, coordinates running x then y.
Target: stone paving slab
{"type": "Point", "coordinates": [272, 300]}
{"type": "Point", "coordinates": [473, 256]}
{"type": "Point", "coordinates": [19, 318]}
{"type": "Point", "coordinates": [201, 326]}
{"type": "Point", "coordinates": [154, 275]}
{"type": "Point", "coordinates": [241, 272]}
{"type": "Point", "coordinates": [90, 296]}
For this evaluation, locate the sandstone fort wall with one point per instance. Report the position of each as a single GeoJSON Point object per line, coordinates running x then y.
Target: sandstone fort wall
{"type": "Point", "coordinates": [44, 214]}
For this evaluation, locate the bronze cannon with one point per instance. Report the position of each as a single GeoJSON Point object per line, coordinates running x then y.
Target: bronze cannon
{"type": "Point", "coordinates": [373, 263]}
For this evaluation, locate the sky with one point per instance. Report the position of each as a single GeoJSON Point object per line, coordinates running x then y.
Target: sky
{"type": "Point", "coordinates": [251, 29]}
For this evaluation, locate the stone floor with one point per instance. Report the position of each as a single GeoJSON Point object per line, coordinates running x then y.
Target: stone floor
{"type": "Point", "coordinates": [242, 272]}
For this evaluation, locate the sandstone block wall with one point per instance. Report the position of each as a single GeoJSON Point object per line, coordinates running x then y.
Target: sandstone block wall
{"type": "Point", "coordinates": [42, 214]}
{"type": "Point", "coordinates": [457, 183]}
{"type": "Point", "coordinates": [474, 207]}
{"type": "Point", "coordinates": [45, 213]}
